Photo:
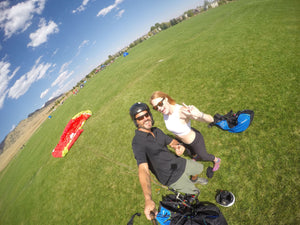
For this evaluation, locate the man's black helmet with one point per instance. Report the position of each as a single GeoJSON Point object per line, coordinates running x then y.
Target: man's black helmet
{"type": "Point", "coordinates": [225, 198]}
{"type": "Point", "coordinates": [137, 108]}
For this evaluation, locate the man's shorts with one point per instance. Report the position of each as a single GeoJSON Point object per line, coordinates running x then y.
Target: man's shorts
{"type": "Point", "coordinates": [184, 184]}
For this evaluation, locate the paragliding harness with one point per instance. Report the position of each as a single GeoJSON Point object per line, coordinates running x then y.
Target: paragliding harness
{"type": "Point", "coordinates": [179, 209]}
{"type": "Point", "coordinates": [233, 122]}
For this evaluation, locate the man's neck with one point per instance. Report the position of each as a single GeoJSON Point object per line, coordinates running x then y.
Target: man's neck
{"type": "Point", "coordinates": [145, 130]}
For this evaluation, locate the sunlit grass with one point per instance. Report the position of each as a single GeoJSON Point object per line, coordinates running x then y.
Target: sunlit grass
{"type": "Point", "coordinates": [244, 55]}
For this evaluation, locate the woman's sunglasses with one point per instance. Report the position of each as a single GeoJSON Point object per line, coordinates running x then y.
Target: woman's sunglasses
{"type": "Point", "coordinates": [160, 104]}
{"type": "Point", "coordinates": [142, 116]}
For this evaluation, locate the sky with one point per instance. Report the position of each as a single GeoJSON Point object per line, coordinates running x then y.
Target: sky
{"type": "Point", "coordinates": [48, 46]}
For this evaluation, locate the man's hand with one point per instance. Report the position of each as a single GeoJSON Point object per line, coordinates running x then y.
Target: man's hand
{"type": "Point", "coordinates": [149, 206]}
{"type": "Point", "coordinates": [179, 149]}
{"type": "Point", "coordinates": [145, 180]}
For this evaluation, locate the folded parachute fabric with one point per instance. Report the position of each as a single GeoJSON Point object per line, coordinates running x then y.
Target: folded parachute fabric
{"type": "Point", "coordinates": [71, 134]}
{"type": "Point", "coordinates": [233, 122]}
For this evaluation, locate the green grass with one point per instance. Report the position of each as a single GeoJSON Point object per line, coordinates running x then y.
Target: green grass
{"type": "Point", "coordinates": [243, 55]}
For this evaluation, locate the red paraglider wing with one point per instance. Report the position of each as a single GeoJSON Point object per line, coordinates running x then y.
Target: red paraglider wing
{"type": "Point", "coordinates": [71, 133]}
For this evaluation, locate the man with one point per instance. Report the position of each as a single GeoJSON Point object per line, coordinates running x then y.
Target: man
{"type": "Point", "coordinates": [152, 154]}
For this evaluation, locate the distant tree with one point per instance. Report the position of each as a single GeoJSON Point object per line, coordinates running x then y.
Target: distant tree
{"type": "Point", "coordinates": [190, 13]}
{"type": "Point", "coordinates": [107, 62]}
{"type": "Point", "coordinates": [165, 26]}
{"type": "Point", "coordinates": [206, 4]}
{"type": "Point", "coordinates": [173, 22]}
{"type": "Point", "coordinates": [136, 42]}
{"type": "Point", "coordinates": [221, 2]}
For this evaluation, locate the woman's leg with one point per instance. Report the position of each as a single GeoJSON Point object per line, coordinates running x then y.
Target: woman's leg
{"type": "Point", "coordinates": [200, 154]}
{"type": "Point", "coordinates": [198, 148]}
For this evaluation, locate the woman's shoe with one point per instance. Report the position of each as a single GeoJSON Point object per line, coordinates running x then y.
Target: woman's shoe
{"type": "Point", "coordinates": [217, 165]}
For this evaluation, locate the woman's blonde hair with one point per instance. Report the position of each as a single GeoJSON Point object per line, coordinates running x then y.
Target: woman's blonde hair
{"type": "Point", "coordinates": [160, 94]}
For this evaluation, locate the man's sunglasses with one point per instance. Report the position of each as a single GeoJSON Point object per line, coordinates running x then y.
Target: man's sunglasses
{"type": "Point", "coordinates": [160, 104]}
{"type": "Point", "coordinates": [142, 116]}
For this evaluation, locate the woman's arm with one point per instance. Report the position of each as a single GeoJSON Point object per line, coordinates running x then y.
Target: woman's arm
{"type": "Point", "coordinates": [193, 113]}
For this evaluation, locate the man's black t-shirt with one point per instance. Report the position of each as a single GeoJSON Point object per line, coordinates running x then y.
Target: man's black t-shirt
{"type": "Point", "coordinates": [165, 165]}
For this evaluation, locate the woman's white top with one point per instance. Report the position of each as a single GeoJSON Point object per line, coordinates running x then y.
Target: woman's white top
{"type": "Point", "coordinates": [174, 124]}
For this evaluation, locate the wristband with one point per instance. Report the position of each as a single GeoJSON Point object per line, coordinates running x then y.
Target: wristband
{"type": "Point", "coordinates": [202, 115]}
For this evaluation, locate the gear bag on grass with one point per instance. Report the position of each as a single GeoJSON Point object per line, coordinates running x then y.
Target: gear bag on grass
{"type": "Point", "coordinates": [233, 122]}
{"type": "Point", "coordinates": [188, 210]}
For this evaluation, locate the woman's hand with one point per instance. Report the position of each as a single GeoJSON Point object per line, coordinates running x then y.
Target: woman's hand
{"type": "Point", "coordinates": [192, 112]}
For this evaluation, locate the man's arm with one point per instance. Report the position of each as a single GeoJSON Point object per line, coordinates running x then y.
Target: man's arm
{"type": "Point", "coordinates": [145, 181]}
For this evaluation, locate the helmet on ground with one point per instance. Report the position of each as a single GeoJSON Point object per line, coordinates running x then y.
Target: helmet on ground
{"type": "Point", "coordinates": [137, 108]}
{"type": "Point", "coordinates": [225, 198]}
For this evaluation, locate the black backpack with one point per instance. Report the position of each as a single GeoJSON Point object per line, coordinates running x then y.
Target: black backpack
{"type": "Point", "coordinates": [188, 210]}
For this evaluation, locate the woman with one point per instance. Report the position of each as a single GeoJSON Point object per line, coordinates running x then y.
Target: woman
{"type": "Point", "coordinates": [178, 120]}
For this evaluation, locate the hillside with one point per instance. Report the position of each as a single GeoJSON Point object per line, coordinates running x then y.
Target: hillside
{"type": "Point", "coordinates": [18, 137]}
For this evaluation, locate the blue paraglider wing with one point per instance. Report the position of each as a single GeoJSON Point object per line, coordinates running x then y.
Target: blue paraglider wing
{"type": "Point", "coordinates": [234, 123]}
{"type": "Point", "coordinates": [243, 123]}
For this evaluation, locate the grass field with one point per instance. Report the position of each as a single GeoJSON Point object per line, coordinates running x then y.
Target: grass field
{"type": "Point", "coordinates": [243, 55]}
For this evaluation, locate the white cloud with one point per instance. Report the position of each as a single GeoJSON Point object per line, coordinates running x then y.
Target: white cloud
{"type": "Point", "coordinates": [43, 94]}
{"type": "Point", "coordinates": [81, 7]}
{"type": "Point", "coordinates": [106, 10]}
{"type": "Point", "coordinates": [18, 18]}
{"type": "Point", "coordinates": [64, 66]}
{"type": "Point", "coordinates": [83, 44]}
{"type": "Point", "coordinates": [40, 36]}
{"type": "Point", "coordinates": [14, 73]}
{"type": "Point", "coordinates": [4, 75]}
{"type": "Point", "coordinates": [2, 98]}
{"type": "Point", "coordinates": [55, 52]}
{"type": "Point", "coordinates": [23, 84]}
{"type": "Point", "coordinates": [13, 127]}
{"type": "Point", "coordinates": [62, 78]}
{"type": "Point", "coordinates": [53, 68]}
{"type": "Point", "coordinates": [20, 87]}
{"type": "Point", "coordinates": [4, 80]}
{"type": "Point", "coordinates": [62, 89]}
{"type": "Point", "coordinates": [120, 13]}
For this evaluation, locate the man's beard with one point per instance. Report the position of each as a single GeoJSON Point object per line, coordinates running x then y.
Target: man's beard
{"type": "Point", "coordinates": [143, 126]}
